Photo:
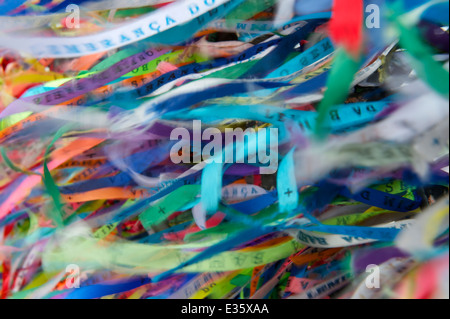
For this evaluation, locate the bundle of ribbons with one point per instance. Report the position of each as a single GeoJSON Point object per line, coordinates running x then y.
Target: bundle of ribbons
{"type": "Point", "coordinates": [224, 149]}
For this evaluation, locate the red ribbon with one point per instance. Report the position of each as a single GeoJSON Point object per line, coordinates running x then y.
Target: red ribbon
{"type": "Point", "coordinates": [346, 25]}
